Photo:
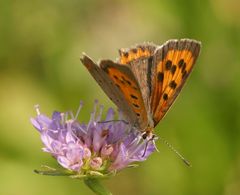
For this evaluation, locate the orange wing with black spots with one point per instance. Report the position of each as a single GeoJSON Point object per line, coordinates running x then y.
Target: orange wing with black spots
{"type": "Point", "coordinates": [111, 90]}
{"type": "Point", "coordinates": [138, 59]}
{"type": "Point", "coordinates": [125, 80]}
{"type": "Point", "coordinates": [139, 51]}
{"type": "Point", "coordinates": [173, 63]}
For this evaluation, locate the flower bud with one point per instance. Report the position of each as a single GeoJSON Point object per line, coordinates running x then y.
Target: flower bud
{"type": "Point", "coordinates": [96, 163]}
{"type": "Point", "coordinates": [86, 153]}
{"type": "Point", "coordinates": [106, 150]}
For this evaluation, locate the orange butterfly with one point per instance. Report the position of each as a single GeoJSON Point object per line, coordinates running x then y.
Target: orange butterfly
{"type": "Point", "coordinates": [146, 79]}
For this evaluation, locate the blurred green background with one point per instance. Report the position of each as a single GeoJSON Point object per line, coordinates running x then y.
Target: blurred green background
{"type": "Point", "coordinates": [40, 46]}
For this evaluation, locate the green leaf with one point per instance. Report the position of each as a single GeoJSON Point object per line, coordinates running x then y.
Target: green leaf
{"type": "Point", "coordinates": [96, 186]}
{"type": "Point", "coordinates": [46, 170]}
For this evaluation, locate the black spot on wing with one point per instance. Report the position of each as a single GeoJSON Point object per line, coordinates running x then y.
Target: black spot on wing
{"type": "Point", "coordinates": [165, 96]}
{"type": "Point", "coordinates": [180, 63]}
{"type": "Point", "coordinates": [160, 76]}
{"type": "Point", "coordinates": [173, 84]}
{"type": "Point", "coordinates": [168, 65]}
{"type": "Point", "coordinates": [173, 69]}
{"type": "Point", "coordinates": [117, 85]}
{"type": "Point", "coordinates": [115, 76]}
{"type": "Point", "coordinates": [127, 81]}
{"type": "Point", "coordinates": [135, 88]}
{"type": "Point", "coordinates": [135, 105]}
{"type": "Point", "coordinates": [134, 50]}
{"type": "Point", "coordinates": [134, 97]}
{"type": "Point", "coordinates": [125, 54]}
{"type": "Point", "coordinates": [183, 67]}
{"type": "Point", "coordinates": [143, 49]}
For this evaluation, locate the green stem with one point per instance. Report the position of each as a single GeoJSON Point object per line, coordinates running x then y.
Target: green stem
{"type": "Point", "coordinates": [96, 186]}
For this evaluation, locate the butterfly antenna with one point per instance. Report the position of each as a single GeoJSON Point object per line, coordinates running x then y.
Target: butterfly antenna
{"type": "Point", "coordinates": [186, 162]}
{"type": "Point", "coordinates": [114, 121]}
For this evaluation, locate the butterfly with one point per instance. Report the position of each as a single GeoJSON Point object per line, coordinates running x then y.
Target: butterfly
{"type": "Point", "coordinates": [146, 79]}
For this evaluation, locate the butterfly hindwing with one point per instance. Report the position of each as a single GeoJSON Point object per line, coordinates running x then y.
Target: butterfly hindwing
{"type": "Point", "coordinates": [109, 88]}
{"type": "Point", "coordinates": [125, 80]}
{"type": "Point", "coordinates": [173, 63]}
{"type": "Point", "coordinates": [139, 60]}
{"type": "Point", "coordinates": [140, 51]}
{"type": "Point", "coordinates": [140, 67]}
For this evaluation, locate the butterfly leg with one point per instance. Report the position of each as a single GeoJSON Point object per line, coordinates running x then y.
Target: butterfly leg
{"type": "Point", "coordinates": [152, 137]}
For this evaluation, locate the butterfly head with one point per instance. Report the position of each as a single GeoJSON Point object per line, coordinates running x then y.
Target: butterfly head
{"type": "Point", "coordinates": [148, 133]}
{"type": "Point", "coordinates": [149, 136]}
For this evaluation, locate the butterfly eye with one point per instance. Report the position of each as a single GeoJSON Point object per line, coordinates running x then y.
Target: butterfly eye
{"type": "Point", "coordinates": [134, 50]}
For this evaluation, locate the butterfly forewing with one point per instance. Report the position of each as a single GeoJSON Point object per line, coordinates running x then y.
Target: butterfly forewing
{"type": "Point", "coordinates": [125, 80]}
{"type": "Point", "coordinates": [173, 63]}
{"type": "Point", "coordinates": [109, 87]}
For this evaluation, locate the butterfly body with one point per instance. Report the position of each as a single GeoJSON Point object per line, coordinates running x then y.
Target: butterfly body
{"type": "Point", "coordinates": [146, 79]}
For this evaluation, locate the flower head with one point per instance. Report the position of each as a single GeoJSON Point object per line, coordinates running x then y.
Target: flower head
{"type": "Point", "coordinates": [101, 146]}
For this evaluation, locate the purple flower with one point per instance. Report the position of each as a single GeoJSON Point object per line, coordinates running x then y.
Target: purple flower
{"type": "Point", "coordinates": [101, 146]}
